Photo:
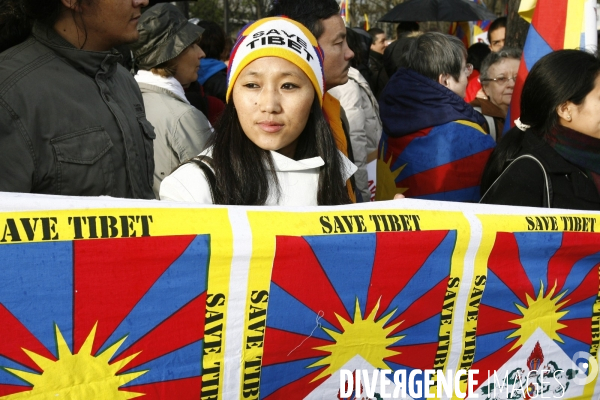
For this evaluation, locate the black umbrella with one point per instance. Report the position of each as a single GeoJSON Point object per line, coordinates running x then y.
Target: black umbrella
{"type": "Point", "coordinates": [438, 10]}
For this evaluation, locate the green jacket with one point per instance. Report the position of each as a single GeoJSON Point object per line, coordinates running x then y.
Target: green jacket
{"type": "Point", "coordinates": [72, 122]}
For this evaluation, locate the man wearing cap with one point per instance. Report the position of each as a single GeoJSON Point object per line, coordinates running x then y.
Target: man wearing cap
{"type": "Point", "coordinates": [168, 57]}
{"type": "Point", "coordinates": [72, 120]}
{"type": "Point", "coordinates": [322, 19]}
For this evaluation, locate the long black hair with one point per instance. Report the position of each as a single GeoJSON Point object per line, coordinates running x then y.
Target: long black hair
{"type": "Point", "coordinates": [15, 24]}
{"type": "Point", "coordinates": [561, 76]}
{"type": "Point", "coordinates": [245, 173]}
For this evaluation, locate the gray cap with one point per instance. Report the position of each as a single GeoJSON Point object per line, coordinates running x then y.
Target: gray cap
{"type": "Point", "coordinates": [164, 34]}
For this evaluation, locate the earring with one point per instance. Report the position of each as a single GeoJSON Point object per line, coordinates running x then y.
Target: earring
{"type": "Point", "coordinates": [569, 118]}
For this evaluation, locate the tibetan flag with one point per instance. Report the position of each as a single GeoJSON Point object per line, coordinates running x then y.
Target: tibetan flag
{"type": "Point", "coordinates": [480, 29]}
{"type": "Point", "coordinates": [561, 284]}
{"type": "Point", "coordinates": [443, 162]}
{"type": "Point", "coordinates": [110, 318]}
{"type": "Point", "coordinates": [461, 30]}
{"type": "Point", "coordinates": [344, 11]}
{"type": "Point", "coordinates": [394, 310]}
{"type": "Point", "coordinates": [555, 25]}
{"type": "Point", "coordinates": [366, 26]}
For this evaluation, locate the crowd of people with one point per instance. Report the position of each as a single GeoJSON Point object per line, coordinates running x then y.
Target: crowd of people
{"type": "Point", "coordinates": [124, 100]}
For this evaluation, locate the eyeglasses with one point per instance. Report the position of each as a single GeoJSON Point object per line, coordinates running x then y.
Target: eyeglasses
{"type": "Point", "coordinates": [503, 80]}
{"type": "Point", "coordinates": [468, 69]}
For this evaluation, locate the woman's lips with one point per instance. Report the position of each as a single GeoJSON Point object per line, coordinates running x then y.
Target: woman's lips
{"type": "Point", "coordinates": [270, 127]}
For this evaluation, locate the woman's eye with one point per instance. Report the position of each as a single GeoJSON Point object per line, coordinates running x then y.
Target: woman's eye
{"type": "Point", "coordinates": [251, 85]}
{"type": "Point", "coordinates": [288, 86]}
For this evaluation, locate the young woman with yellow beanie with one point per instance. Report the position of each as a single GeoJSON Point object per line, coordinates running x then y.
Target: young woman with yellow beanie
{"type": "Point", "coordinates": [272, 145]}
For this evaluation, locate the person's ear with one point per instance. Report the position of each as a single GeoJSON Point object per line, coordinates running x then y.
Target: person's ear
{"type": "Point", "coordinates": [443, 79]}
{"type": "Point", "coordinates": [564, 111]}
{"type": "Point", "coordinates": [485, 91]}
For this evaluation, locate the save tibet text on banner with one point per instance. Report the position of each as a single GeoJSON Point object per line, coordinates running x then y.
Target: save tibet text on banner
{"type": "Point", "coordinates": [326, 290]}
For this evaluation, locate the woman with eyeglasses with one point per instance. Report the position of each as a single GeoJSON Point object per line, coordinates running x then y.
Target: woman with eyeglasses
{"type": "Point", "coordinates": [552, 157]}
{"type": "Point", "coordinates": [498, 74]}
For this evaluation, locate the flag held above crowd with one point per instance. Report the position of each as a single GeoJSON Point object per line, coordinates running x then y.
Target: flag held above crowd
{"type": "Point", "coordinates": [555, 25]}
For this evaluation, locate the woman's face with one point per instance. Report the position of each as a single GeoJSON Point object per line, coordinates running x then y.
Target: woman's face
{"type": "Point", "coordinates": [500, 92]}
{"type": "Point", "coordinates": [273, 98]}
{"type": "Point", "coordinates": [187, 64]}
{"type": "Point", "coordinates": [585, 118]}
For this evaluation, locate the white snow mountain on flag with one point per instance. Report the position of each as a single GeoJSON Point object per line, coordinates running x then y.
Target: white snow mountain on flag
{"type": "Point", "coordinates": [330, 389]}
{"type": "Point", "coordinates": [550, 374]}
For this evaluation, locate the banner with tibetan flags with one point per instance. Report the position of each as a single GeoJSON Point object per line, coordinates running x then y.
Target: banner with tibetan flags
{"type": "Point", "coordinates": [555, 25]}
{"type": "Point", "coordinates": [119, 299]}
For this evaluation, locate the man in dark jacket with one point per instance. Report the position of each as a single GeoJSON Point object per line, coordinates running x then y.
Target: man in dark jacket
{"type": "Point", "coordinates": [378, 73]}
{"type": "Point", "coordinates": [213, 72]}
{"type": "Point", "coordinates": [72, 119]}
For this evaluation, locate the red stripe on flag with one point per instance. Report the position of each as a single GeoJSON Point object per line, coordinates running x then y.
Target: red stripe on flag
{"type": "Point", "coordinates": [14, 336]}
{"type": "Point", "coordinates": [183, 328]}
{"type": "Point", "coordinates": [112, 275]}
{"type": "Point", "coordinates": [586, 289]}
{"type": "Point", "coordinates": [181, 389]}
{"type": "Point", "coordinates": [456, 175]}
{"type": "Point", "coordinates": [574, 247]}
{"type": "Point", "coordinates": [492, 320]}
{"type": "Point", "coordinates": [5, 390]}
{"type": "Point", "coordinates": [515, 100]}
{"type": "Point", "coordinates": [279, 344]}
{"type": "Point", "coordinates": [505, 263]}
{"type": "Point", "coordinates": [397, 145]}
{"type": "Point", "coordinates": [412, 249]}
{"type": "Point", "coordinates": [423, 308]}
{"type": "Point", "coordinates": [550, 21]}
{"type": "Point", "coordinates": [311, 287]}
{"type": "Point", "coordinates": [418, 356]}
{"type": "Point", "coordinates": [578, 329]}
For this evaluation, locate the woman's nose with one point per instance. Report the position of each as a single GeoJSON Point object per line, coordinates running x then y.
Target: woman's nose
{"type": "Point", "coordinates": [269, 101]}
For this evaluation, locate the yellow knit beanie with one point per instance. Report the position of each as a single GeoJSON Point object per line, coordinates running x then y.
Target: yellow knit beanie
{"type": "Point", "coordinates": [278, 37]}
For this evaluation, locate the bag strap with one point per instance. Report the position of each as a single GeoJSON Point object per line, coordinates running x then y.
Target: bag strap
{"type": "Point", "coordinates": [547, 184]}
{"type": "Point", "coordinates": [206, 165]}
{"type": "Point", "coordinates": [490, 121]}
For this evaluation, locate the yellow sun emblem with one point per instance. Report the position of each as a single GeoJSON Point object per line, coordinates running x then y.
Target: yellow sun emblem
{"type": "Point", "coordinates": [540, 313]}
{"type": "Point", "coordinates": [365, 337]}
{"type": "Point", "coordinates": [77, 376]}
{"type": "Point", "coordinates": [386, 179]}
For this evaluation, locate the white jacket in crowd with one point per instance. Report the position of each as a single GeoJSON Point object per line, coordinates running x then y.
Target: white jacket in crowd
{"type": "Point", "coordinates": [362, 111]}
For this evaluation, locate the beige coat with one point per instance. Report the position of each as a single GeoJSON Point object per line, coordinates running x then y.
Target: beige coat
{"type": "Point", "coordinates": [181, 130]}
